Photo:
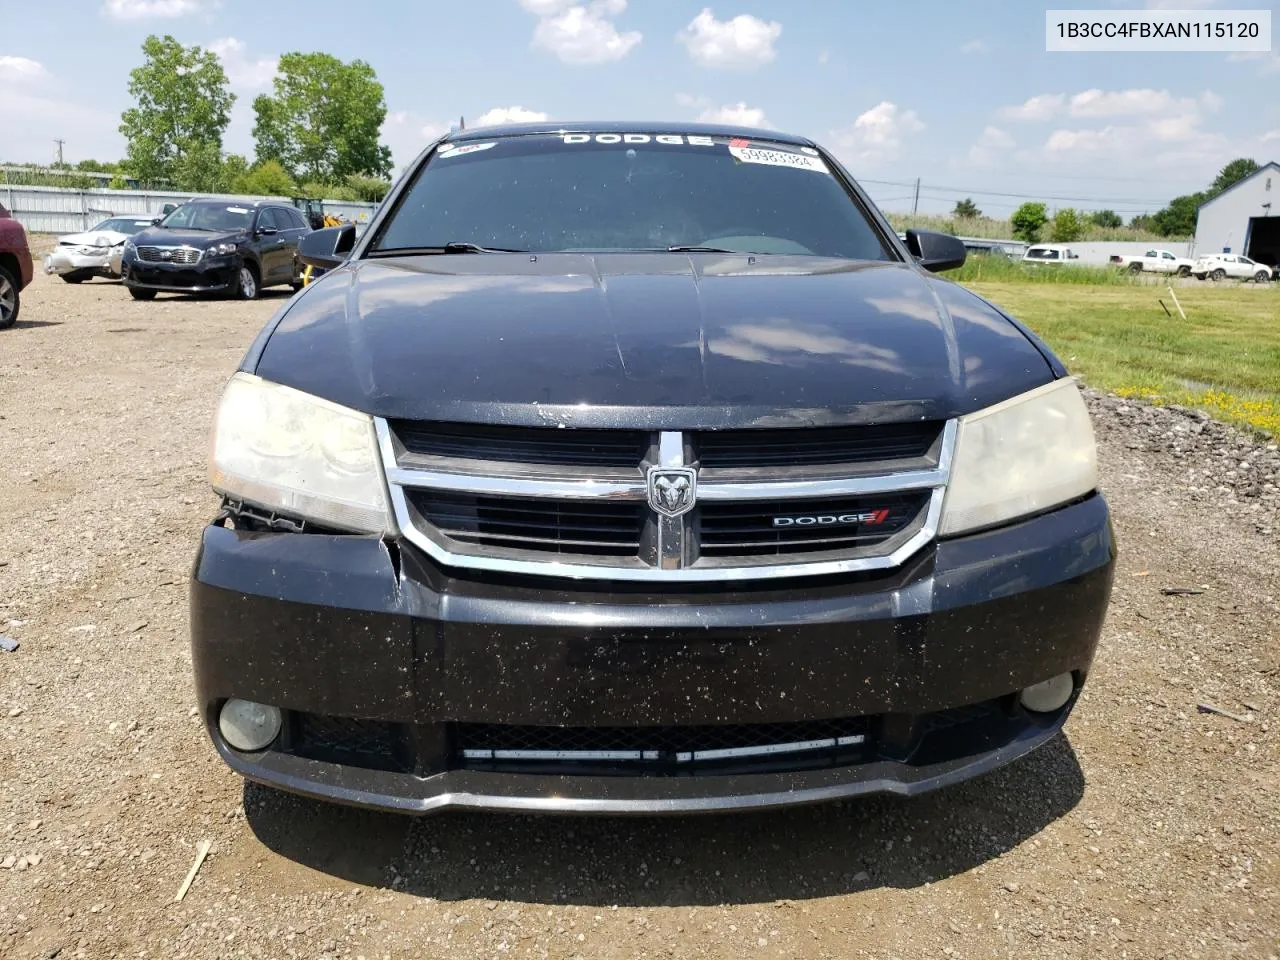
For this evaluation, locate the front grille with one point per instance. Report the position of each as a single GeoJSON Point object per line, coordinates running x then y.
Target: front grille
{"type": "Point", "coordinates": [529, 445]}
{"type": "Point", "coordinates": [169, 254]}
{"type": "Point", "coordinates": [817, 446]}
{"type": "Point", "coordinates": [751, 529]}
{"type": "Point", "coordinates": [662, 744]}
{"type": "Point", "coordinates": [759, 503]}
{"type": "Point", "coordinates": [608, 528]}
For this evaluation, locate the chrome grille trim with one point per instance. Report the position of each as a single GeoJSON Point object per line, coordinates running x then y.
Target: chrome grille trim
{"type": "Point", "coordinates": [671, 447]}
{"type": "Point", "coordinates": [184, 255]}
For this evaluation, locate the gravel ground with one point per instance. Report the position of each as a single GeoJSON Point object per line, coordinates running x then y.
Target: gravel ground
{"type": "Point", "coordinates": [1150, 830]}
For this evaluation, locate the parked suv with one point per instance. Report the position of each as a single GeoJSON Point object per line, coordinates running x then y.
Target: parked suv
{"type": "Point", "coordinates": [642, 469]}
{"type": "Point", "coordinates": [16, 268]}
{"type": "Point", "coordinates": [217, 246]}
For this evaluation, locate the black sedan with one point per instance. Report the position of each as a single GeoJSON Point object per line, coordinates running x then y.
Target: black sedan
{"type": "Point", "coordinates": [642, 469]}
{"type": "Point", "coordinates": [217, 246]}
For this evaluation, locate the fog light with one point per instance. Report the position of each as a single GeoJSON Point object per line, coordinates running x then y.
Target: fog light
{"type": "Point", "coordinates": [1050, 695]}
{"type": "Point", "coordinates": [248, 726]}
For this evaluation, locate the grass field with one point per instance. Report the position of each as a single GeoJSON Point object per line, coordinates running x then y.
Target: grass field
{"type": "Point", "coordinates": [996, 229]}
{"type": "Point", "coordinates": [1224, 358]}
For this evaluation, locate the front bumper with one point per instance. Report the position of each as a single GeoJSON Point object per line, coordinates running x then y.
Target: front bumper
{"type": "Point", "coordinates": [354, 631]}
{"type": "Point", "coordinates": [203, 276]}
{"type": "Point", "coordinates": [63, 261]}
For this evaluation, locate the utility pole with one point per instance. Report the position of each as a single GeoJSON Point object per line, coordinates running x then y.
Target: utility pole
{"type": "Point", "coordinates": [59, 143]}
{"type": "Point", "coordinates": [915, 200]}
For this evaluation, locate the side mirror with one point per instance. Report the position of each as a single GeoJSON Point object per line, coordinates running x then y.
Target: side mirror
{"type": "Point", "coordinates": [155, 220]}
{"type": "Point", "coordinates": [327, 248]}
{"type": "Point", "coordinates": [267, 231]}
{"type": "Point", "coordinates": [936, 251]}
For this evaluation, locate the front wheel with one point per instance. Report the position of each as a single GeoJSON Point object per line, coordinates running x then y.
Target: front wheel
{"type": "Point", "coordinates": [10, 299]}
{"type": "Point", "coordinates": [139, 294]}
{"type": "Point", "coordinates": [1184, 271]}
{"type": "Point", "coordinates": [1262, 276]}
{"type": "Point", "coordinates": [247, 283]}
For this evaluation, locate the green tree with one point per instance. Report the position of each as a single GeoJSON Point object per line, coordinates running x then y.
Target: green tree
{"type": "Point", "coordinates": [966, 209]}
{"type": "Point", "coordinates": [234, 167]}
{"type": "Point", "coordinates": [1108, 219]}
{"type": "Point", "coordinates": [198, 168]}
{"type": "Point", "coordinates": [1067, 226]}
{"type": "Point", "coordinates": [369, 189]}
{"type": "Point", "coordinates": [182, 105]}
{"type": "Point", "coordinates": [1028, 220]}
{"type": "Point", "coordinates": [323, 119]}
{"type": "Point", "coordinates": [118, 182]}
{"type": "Point", "coordinates": [1232, 173]}
{"type": "Point", "coordinates": [268, 179]}
{"type": "Point", "coordinates": [1178, 219]}
{"type": "Point", "coordinates": [1143, 221]}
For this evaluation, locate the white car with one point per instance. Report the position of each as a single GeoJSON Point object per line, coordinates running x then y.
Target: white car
{"type": "Point", "coordinates": [96, 252]}
{"type": "Point", "coordinates": [1044, 253]}
{"type": "Point", "coordinates": [1154, 261]}
{"type": "Point", "coordinates": [1218, 266]}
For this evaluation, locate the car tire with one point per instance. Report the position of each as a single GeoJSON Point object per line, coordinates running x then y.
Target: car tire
{"type": "Point", "coordinates": [1217, 275]}
{"type": "Point", "coordinates": [246, 283]}
{"type": "Point", "coordinates": [1135, 268]}
{"type": "Point", "coordinates": [10, 299]}
{"type": "Point", "coordinates": [1262, 276]}
{"type": "Point", "coordinates": [1184, 271]}
{"type": "Point", "coordinates": [139, 294]}
{"type": "Point", "coordinates": [76, 276]}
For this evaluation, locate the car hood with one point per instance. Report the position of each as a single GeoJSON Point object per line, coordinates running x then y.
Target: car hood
{"type": "Point", "coordinates": [162, 237]}
{"type": "Point", "coordinates": [657, 341]}
{"type": "Point", "coordinates": [93, 238]}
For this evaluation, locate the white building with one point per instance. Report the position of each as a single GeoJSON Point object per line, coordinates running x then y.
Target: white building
{"type": "Point", "coordinates": [1244, 218]}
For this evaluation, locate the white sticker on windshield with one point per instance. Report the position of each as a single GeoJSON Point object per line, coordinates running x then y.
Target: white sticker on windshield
{"type": "Point", "coordinates": [457, 150]}
{"type": "Point", "coordinates": [237, 209]}
{"type": "Point", "coordinates": [779, 158]}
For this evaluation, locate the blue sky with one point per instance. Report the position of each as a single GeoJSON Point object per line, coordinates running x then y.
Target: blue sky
{"type": "Point", "coordinates": [959, 94]}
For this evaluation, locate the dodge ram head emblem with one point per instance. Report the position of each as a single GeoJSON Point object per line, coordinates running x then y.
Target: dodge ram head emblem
{"type": "Point", "coordinates": [672, 490]}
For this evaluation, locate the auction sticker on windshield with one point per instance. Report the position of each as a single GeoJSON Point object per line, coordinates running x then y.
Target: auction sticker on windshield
{"type": "Point", "coordinates": [778, 158]}
{"type": "Point", "coordinates": [456, 150]}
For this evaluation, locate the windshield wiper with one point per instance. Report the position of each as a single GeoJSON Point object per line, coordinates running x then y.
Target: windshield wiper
{"type": "Point", "coordinates": [451, 247]}
{"type": "Point", "coordinates": [694, 248]}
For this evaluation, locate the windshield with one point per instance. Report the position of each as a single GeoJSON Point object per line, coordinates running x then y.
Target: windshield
{"type": "Point", "coordinates": [209, 216]}
{"type": "Point", "coordinates": [123, 225]}
{"type": "Point", "coordinates": [616, 192]}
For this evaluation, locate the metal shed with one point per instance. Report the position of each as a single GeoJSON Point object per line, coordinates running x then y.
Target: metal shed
{"type": "Point", "coordinates": [1244, 218]}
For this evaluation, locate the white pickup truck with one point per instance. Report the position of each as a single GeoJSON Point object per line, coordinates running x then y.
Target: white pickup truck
{"type": "Point", "coordinates": [1154, 261]}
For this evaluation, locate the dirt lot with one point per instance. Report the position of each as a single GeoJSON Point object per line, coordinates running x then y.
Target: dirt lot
{"type": "Point", "coordinates": [1151, 830]}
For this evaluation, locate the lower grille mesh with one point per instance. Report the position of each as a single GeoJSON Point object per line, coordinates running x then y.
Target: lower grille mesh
{"type": "Point", "coordinates": [667, 741]}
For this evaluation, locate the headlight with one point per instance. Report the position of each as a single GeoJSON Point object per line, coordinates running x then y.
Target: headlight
{"type": "Point", "coordinates": [220, 249]}
{"type": "Point", "coordinates": [1022, 456]}
{"type": "Point", "coordinates": [129, 248]}
{"type": "Point", "coordinates": [286, 450]}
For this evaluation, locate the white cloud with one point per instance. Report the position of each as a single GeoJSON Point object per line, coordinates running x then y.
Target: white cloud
{"type": "Point", "coordinates": [743, 43]}
{"type": "Point", "coordinates": [877, 135]}
{"type": "Point", "coordinates": [1270, 62]}
{"type": "Point", "coordinates": [156, 9]}
{"type": "Point", "coordinates": [975, 46]}
{"type": "Point", "coordinates": [20, 69]}
{"type": "Point", "coordinates": [1135, 103]}
{"type": "Point", "coordinates": [1271, 135]}
{"type": "Point", "coordinates": [508, 115]}
{"type": "Point", "coordinates": [581, 34]}
{"type": "Point", "coordinates": [1037, 108]}
{"type": "Point", "coordinates": [736, 115]}
{"type": "Point", "coordinates": [244, 72]}
{"type": "Point", "coordinates": [993, 146]}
